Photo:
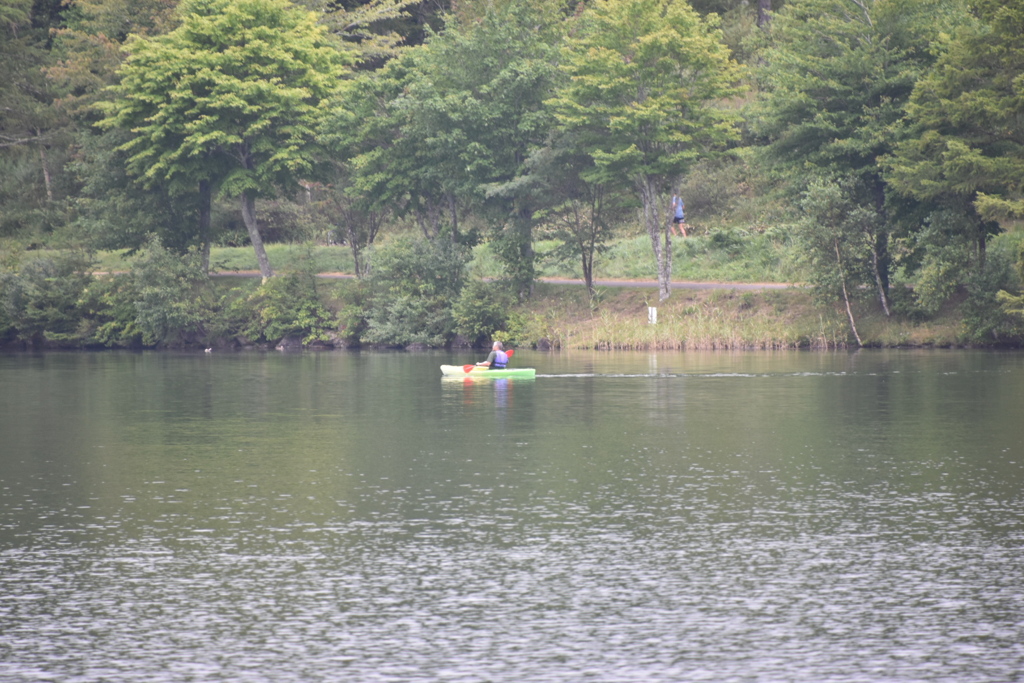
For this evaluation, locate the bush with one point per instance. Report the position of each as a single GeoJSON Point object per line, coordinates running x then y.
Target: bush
{"type": "Point", "coordinates": [40, 298]}
{"type": "Point", "coordinates": [288, 305]}
{"type": "Point", "coordinates": [947, 256]}
{"type": "Point", "coordinates": [172, 296]}
{"type": "Point", "coordinates": [413, 284]}
{"type": "Point", "coordinates": [481, 310]}
{"type": "Point", "coordinates": [985, 317]}
{"type": "Point", "coordinates": [109, 314]}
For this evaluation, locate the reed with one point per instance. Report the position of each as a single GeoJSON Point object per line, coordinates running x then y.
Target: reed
{"type": "Point", "coordinates": [700, 320]}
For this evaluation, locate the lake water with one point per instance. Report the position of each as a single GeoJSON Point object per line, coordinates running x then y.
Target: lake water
{"type": "Point", "coordinates": [785, 516]}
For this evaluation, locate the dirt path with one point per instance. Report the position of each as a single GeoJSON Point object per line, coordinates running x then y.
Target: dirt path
{"type": "Point", "coordinates": [684, 284]}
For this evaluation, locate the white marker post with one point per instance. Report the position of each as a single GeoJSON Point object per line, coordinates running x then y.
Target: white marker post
{"type": "Point", "coordinates": [652, 315]}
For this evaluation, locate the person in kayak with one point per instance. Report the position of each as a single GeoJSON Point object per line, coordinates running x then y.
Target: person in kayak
{"type": "Point", "coordinates": [497, 359]}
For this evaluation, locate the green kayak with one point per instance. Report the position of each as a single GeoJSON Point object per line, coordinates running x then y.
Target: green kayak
{"type": "Point", "coordinates": [480, 372]}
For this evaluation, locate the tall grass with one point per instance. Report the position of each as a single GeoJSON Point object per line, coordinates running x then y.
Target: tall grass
{"type": "Point", "coordinates": [704, 320]}
{"type": "Point", "coordinates": [700, 329]}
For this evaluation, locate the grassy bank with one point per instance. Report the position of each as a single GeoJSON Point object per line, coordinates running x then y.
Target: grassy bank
{"type": "Point", "coordinates": [563, 316]}
{"type": "Point", "coordinates": [283, 257]}
{"type": "Point", "coordinates": [722, 256]}
{"type": "Point", "coordinates": [713, 319]}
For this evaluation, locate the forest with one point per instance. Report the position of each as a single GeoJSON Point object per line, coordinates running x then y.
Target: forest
{"type": "Point", "coordinates": [879, 144]}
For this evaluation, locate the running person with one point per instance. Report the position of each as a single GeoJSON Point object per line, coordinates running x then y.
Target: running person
{"type": "Point", "coordinates": [678, 217]}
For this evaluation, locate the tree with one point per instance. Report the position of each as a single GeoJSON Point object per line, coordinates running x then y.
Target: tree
{"type": "Point", "coordinates": [356, 216]}
{"type": "Point", "coordinates": [576, 212]}
{"type": "Point", "coordinates": [390, 167]}
{"type": "Point", "coordinates": [445, 128]}
{"type": "Point", "coordinates": [834, 230]}
{"type": "Point", "coordinates": [835, 81]}
{"type": "Point", "coordinates": [228, 101]}
{"type": "Point", "coordinates": [33, 133]}
{"type": "Point", "coordinates": [645, 91]}
{"type": "Point", "coordinates": [377, 29]}
{"type": "Point", "coordinates": [966, 141]}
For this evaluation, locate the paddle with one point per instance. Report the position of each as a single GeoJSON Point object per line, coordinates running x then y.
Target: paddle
{"type": "Point", "coordinates": [469, 368]}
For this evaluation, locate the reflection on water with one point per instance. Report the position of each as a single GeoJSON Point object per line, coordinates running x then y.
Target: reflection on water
{"type": "Point", "coordinates": [622, 517]}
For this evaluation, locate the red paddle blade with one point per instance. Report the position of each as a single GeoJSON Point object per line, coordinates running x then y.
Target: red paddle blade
{"type": "Point", "coordinates": [510, 352]}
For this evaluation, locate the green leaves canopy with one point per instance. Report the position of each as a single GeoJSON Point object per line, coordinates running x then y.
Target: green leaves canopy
{"type": "Point", "coordinates": [445, 127]}
{"type": "Point", "coordinates": [645, 92]}
{"type": "Point", "coordinates": [836, 79]}
{"type": "Point", "coordinates": [968, 114]}
{"type": "Point", "coordinates": [646, 79]}
{"type": "Point", "coordinates": [232, 96]}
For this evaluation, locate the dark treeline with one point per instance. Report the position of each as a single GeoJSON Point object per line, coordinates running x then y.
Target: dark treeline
{"type": "Point", "coordinates": [883, 138]}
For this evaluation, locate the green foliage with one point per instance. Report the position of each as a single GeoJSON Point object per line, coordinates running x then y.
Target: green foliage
{"type": "Point", "coordinates": [985, 317]}
{"type": "Point", "coordinates": [284, 306]}
{"type": "Point", "coordinates": [172, 295]}
{"type": "Point", "coordinates": [730, 240]}
{"type": "Point", "coordinates": [34, 133]}
{"type": "Point", "coordinates": [352, 314]}
{"type": "Point", "coordinates": [231, 97]}
{"type": "Point", "coordinates": [443, 129]}
{"type": "Point", "coordinates": [1011, 305]}
{"type": "Point", "coordinates": [836, 79]}
{"type": "Point", "coordinates": [113, 212]}
{"type": "Point", "coordinates": [1012, 302]}
{"type": "Point", "coordinates": [376, 28]}
{"type": "Point", "coordinates": [413, 284]}
{"type": "Point", "coordinates": [109, 314]}
{"type": "Point", "coordinates": [968, 118]}
{"type": "Point", "coordinates": [163, 300]}
{"type": "Point", "coordinates": [578, 214]}
{"type": "Point", "coordinates": [947, 261]}
{"type": "Point", "coordinates": [644, 82]}
{"type": "Point", "coordinates": [40, 297]}
{"type": "Point", "coordinates": [834, 234]}
{"type": "Point", "coordinates": [713, 187]}
{"type": "Point", "coordinates": [482, 309]}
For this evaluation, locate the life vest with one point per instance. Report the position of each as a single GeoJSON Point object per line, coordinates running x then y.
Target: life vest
{"type": "Point", "coordinates": [500, 360]}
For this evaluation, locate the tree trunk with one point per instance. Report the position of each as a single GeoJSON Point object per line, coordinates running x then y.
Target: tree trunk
{"type": "Point", "coordinates": [205, 200]}
{"type": "Point", "coordinates": [764, 7]}
{"type": "Point", "coordinates": [430, 219]}
{"type": "Point", "coordinates": [249, 217]}
{"type": "Point", "coordinates": [655, 229]}
{"type": "Point", "coordinates": [453, 212]}
{"type": "Point", "coordinates": [353, 245]}
{"type": "Point", "coordinates": [880, 247]}
{"type": "Point", "coordinates": [524, 226]}
{"type": "Point", "coordinates": [846, 295]}
{"type": "Point", "coordinates": [982, 242]}
{"type": "Point", "coordinates": [883, 293]}
{"type": "Point", "coordinates": [588, 269]}
{"type": "Point", "coordinates": [47, 181]}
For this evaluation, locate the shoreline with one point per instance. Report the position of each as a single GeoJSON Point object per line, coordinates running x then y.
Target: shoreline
{"type": "Point", "coordinates": [699, 316]}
